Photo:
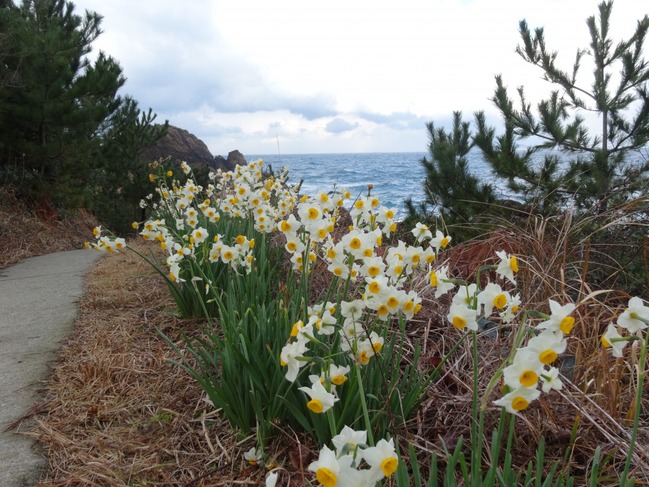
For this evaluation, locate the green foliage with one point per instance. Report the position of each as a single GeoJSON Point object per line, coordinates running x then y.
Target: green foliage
{"type": "Point", "coordinates": [457, 195]}
{"type": "Point", "coordinates": [546, 154]}
{"type": "Point", "coordinates": [121, 178]}
{"type": "Point", "coordinates": [57, 98]}
{"type": "Point", "coordinates": [65, 135]}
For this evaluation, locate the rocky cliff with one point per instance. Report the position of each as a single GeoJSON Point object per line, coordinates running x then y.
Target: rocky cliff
{"type": "Point", "coordinates": [181, 145]}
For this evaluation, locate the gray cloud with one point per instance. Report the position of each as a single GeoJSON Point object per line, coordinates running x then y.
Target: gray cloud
{"type": "Point", "coordinates": [234, 88]}
{"type": "Point", "coordinates": [339, 125]}
{"type": "Point", "coordinates": [397, 120]}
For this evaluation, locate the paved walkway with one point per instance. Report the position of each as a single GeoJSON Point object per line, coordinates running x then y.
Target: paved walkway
{"type": "Point", "coordinates": [38, 300]}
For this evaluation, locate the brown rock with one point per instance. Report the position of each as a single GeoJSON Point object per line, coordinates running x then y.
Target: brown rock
{"type": "Point", "coordinates": [235, 157]}
{"type": "Point", "coordinates": [180, 145]}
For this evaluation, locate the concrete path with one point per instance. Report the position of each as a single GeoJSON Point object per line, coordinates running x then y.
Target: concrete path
{"type": "Point", "coordinates": [38, 298]}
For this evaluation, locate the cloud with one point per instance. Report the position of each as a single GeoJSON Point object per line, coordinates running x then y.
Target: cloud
{"type": "Point", "coordinates": [339, 125]}
{"type": "Point", "coordinates": [396, 120]}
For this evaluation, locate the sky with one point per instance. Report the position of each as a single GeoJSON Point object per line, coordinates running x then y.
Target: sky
{"type": "Point", "coordinates": [327, 76]}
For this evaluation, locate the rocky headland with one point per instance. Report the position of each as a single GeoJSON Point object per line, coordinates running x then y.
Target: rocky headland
{"type": "Point", "coordinates": [181, 145]}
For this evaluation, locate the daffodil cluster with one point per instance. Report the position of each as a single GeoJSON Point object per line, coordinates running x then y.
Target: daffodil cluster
{"type": "Point", "coordinates": [469, 303]}
{"type": "Point", "coordinates": [532, 364]}
{"type": "Point", "coordinates": [246, 192]}
{"type": "Point", "coordinates": [376, 278]}
{"type": "Point", "coordinates": [353, 463]}
{"type": "Point", "coordinates": [185, 219]}
{"type": "Point", "coordinates": [105, 243]}
{"type": "Point", "coordinates": [633, 320]}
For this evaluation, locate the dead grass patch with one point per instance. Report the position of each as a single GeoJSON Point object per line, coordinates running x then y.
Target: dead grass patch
{"type": "Point", "coordinates": [25, 232]}
{"type": "Point", "coordinates": [116, 412]}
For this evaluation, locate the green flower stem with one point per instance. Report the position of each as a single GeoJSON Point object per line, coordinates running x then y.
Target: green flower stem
{"type": "Point", "coordinates": [366, 414]}
{"type": "Point", "coordinates": [636, 416]}
{"type": "Point", "coordinates": [518, 339]}
{"type": "Point", "coordinates": [476, 428]}
{"type": "Point", "coordinates": [331, 422]}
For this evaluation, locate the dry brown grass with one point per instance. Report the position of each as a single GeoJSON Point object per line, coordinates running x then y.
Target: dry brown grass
{"type": "Point", "coordinates": [27, 232]}
{"type": "Point", "coordinates": [597, 402]}
{"type": "Point", "coordinates": [116, 412]}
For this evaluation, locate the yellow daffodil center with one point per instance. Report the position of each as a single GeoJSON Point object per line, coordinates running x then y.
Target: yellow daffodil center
{"type": "Point", "coordinates": [373, 271]}
{"type": "Point", "coordinates": [331, 253]}
{"type": "Point", "coordinates": [528, 378]}
{"type": "Point", "coordinates": [313, 213]}
{"type": "Point", "coordinates": [433, 279]}
{"type": "Point", "coordinates": [315, 406]}
{"type": "Point", "coordinates": [392, 302]}
{"type": "Point", "coordinates": [374, 287]}
{"type": "Point", "coordinates": [363, 358]}
{"type": "Point", "coordinates": [605, 342]}
{"type": "Point", "coordinates": [296, 328]}
{"type": "Point", "coordinates": [408, 305]}
{"type": "Point", "coordinates": [291, 246]}
{"type": "Point", "coordinates": [326, 477]}
{"type": "Point", "coordinates": [382, 310]}
{"type": "Point", "coordinates": [444, 242]}
{"type": "Point", "coordinates": [417, 308]}
{"type": "Point", "coordinates": [355, 243]}
{"type": "Point", "coordinates": [339, 379]}
{"type": "Point", "coordinates": [519, 403]}
{"type": "Point", "coordinates": [459, 322]}
{"type": "Point", "coordinates": [359, 204]}
{"type": "Point", "coordinates": [389, 466]}
{"type": "Point", "coordinates": [566, 325]}
{"type": "Point", "coordinates": [548, 356]}
{"type": "Point", "coordinates": [322, 233]}
{"type": "Point", "coordinates": [500, 301]}
{"type": "Point", "coordinates": [513, 263]}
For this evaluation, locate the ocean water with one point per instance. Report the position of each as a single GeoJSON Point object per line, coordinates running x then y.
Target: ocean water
{"type": "Point", "coordinates": [395, 176]}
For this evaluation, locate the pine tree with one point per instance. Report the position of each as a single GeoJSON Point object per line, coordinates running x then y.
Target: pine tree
{"type": "Point", "coordinates": [58, 98]}
{"type": "Point", "coordinates": [456, 194]}
{"type": "Point", "coordinates": [547, 156]}
{"type": "Point", "coordinates": [121, 179]}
